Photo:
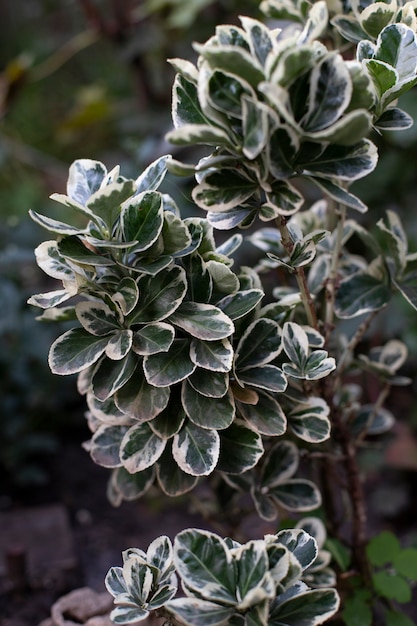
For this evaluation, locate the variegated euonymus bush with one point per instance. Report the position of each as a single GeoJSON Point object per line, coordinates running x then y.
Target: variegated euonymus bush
{"type": "Point", "coordinates": [194, 369]}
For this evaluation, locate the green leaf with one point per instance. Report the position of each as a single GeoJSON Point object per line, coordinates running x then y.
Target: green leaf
{"type": "Point", "coordinates": [74, 351]}
{"type": "Point", "coordinates": [141, 220]}
{"type": "Point", "coordinates": [49, 300]}
{"type": "Point", "coordinates": [196, 449]}
{"type": "Point", "coordinates": [357, 611]}
{"type": "Point", "coordinates": [191, 611]}
{"type": "Point", "coordinates": [339, 553]}
{"type": "Point", "coordinates": [222, 191]}
{"type": "Point", "coordinates": [216, 356]}
{"type": "Point", "coordinates": [240, 449]}
{"type": "Point", "coordinates": [309, 608]}
{"type": "Point", "coordinates": [347, 131]}
{"type": "Point", "coordinates": [329, 95]}
{"type": "Point", "coordinates": [405, 562]}
{"type": "Point", "coordinates": [140, 448]}
{"type": "Point", "coordinates": [159, 296]}
{"type": "Point", "coordinates": [207, 412]}
{"type": "Point", "coordinates": [153, 338]}
{"type": "Point", "coordinates": [141, 401]}
{"type": "Point", "coordinates": [383, 548]}
{"type": "Point", "coordinates": [167, 368]}
{"type": "Point", "coordinates": [392, 586]}
{"type": "Point", "coordinates": [172, 480]}
{"type": "Point", "coordinates": [105, 445]}
{"type": "Point", "coordinates": [310, 422]}
{"type": "Point", "coordinates": [205, 564]}
{"type": "Point", "coordinates": [266, 416]}
{"type": "Point", "coordinates": [110, 376]}
{"type": "Point", "coordinates": [203, 321]}
{"type": "Point", "coordinates": [260, 344]}
{"type": "Point", "coordinates": [395, 618]}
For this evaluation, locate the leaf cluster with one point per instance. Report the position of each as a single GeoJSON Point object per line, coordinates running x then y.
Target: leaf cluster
{"type": "Point", "coordinates": [256, 583]}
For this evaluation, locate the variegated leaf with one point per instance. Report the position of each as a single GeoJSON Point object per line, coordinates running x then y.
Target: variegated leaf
{"type": "Point", "coordinates": [268, 377]}
{"type": "Point", "coordinates": [153, 338]}
{"type": "Point", "coordinates": [240, 449]}
{"type": "Point", "coordinates": [172, 480]}
{"type": "Point", "coordinates": [141, 401]}
{"type": "Point", "coordinates": [302, 545]}
{"type": "Point", "coordinates": [296, 494]}
{"type": "Point", "coordinates": [266, 416]}
{"type": "Point", "coordinates": [127, 295]}
{"type": "Point", "coordinates": [142, 219]}
{"type": "Point", "coordinates": [205, 564]}
{"type": "Point", "coordinates": [310, 607]}
{"type": "Point", "coordinates": [208, 383]}
{"type": "Point", "coordinates": [260, 344]}
{"type": "Point", "coordinates": [207, 412]}
{"type": "Point", "coordinates": [104, 446]}
{"type": "Point", "coordinates": [50, 299]}
{"type": "Point", "coordinates": [196, 450]}
{"type": "Point", "coordinates": [169, 422]}
{"type": "Point", "coordinates": [216, 356]}
{"type": "Point", "coordinates": [280, 464]}
{"type": "Point", "coordinates": [159, 296]}
{"type": "Point", "coordinates": [85, 178]}
{"type": "Point", "coordinates": [167, 368]}
{"type": "Point", "coordinates": [111, 376]}
{"type": "Point", "coordinates": [132, 486]}
{"type": "Point", "coordinates": [222, 191]}
{"type": "Point", "coordinates": [106, 201]}
{"type": "Point", "coordinates": [97, 318]}
{"type": "Point", "coordinates": [75, 350]}
{"type": "Point", "coordinates": [119, 345]}
{"type": "Point", "coordinates": [52, 262]}
{"type": "Point", "coordinates": [203, 321]}
{"type": "Point", "coordinates": [140, 448]}
{"type": "Point", "coordinates": [153, 175]}
{"type": "Point", "coordinates": [55, 226]}
{"type": "Point", "coordinates": [254, 582]}
{"type": "Point", "coordinates": [241, 303]}
{"type": "Point", "coordinates": [190, 611]}
{"type": "Point", "coordinates": [295, 342]}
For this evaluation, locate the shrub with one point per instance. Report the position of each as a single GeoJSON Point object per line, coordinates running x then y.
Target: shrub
{"type": "Point", "coordinates": [195, 370]}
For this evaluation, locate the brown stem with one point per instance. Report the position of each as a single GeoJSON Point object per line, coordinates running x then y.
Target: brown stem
{"type": "Point", "coordinates": [300, 276]}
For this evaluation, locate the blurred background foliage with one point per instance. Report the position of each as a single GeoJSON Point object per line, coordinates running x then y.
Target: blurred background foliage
{"type": "Point", "coordinates": [89, 78]}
